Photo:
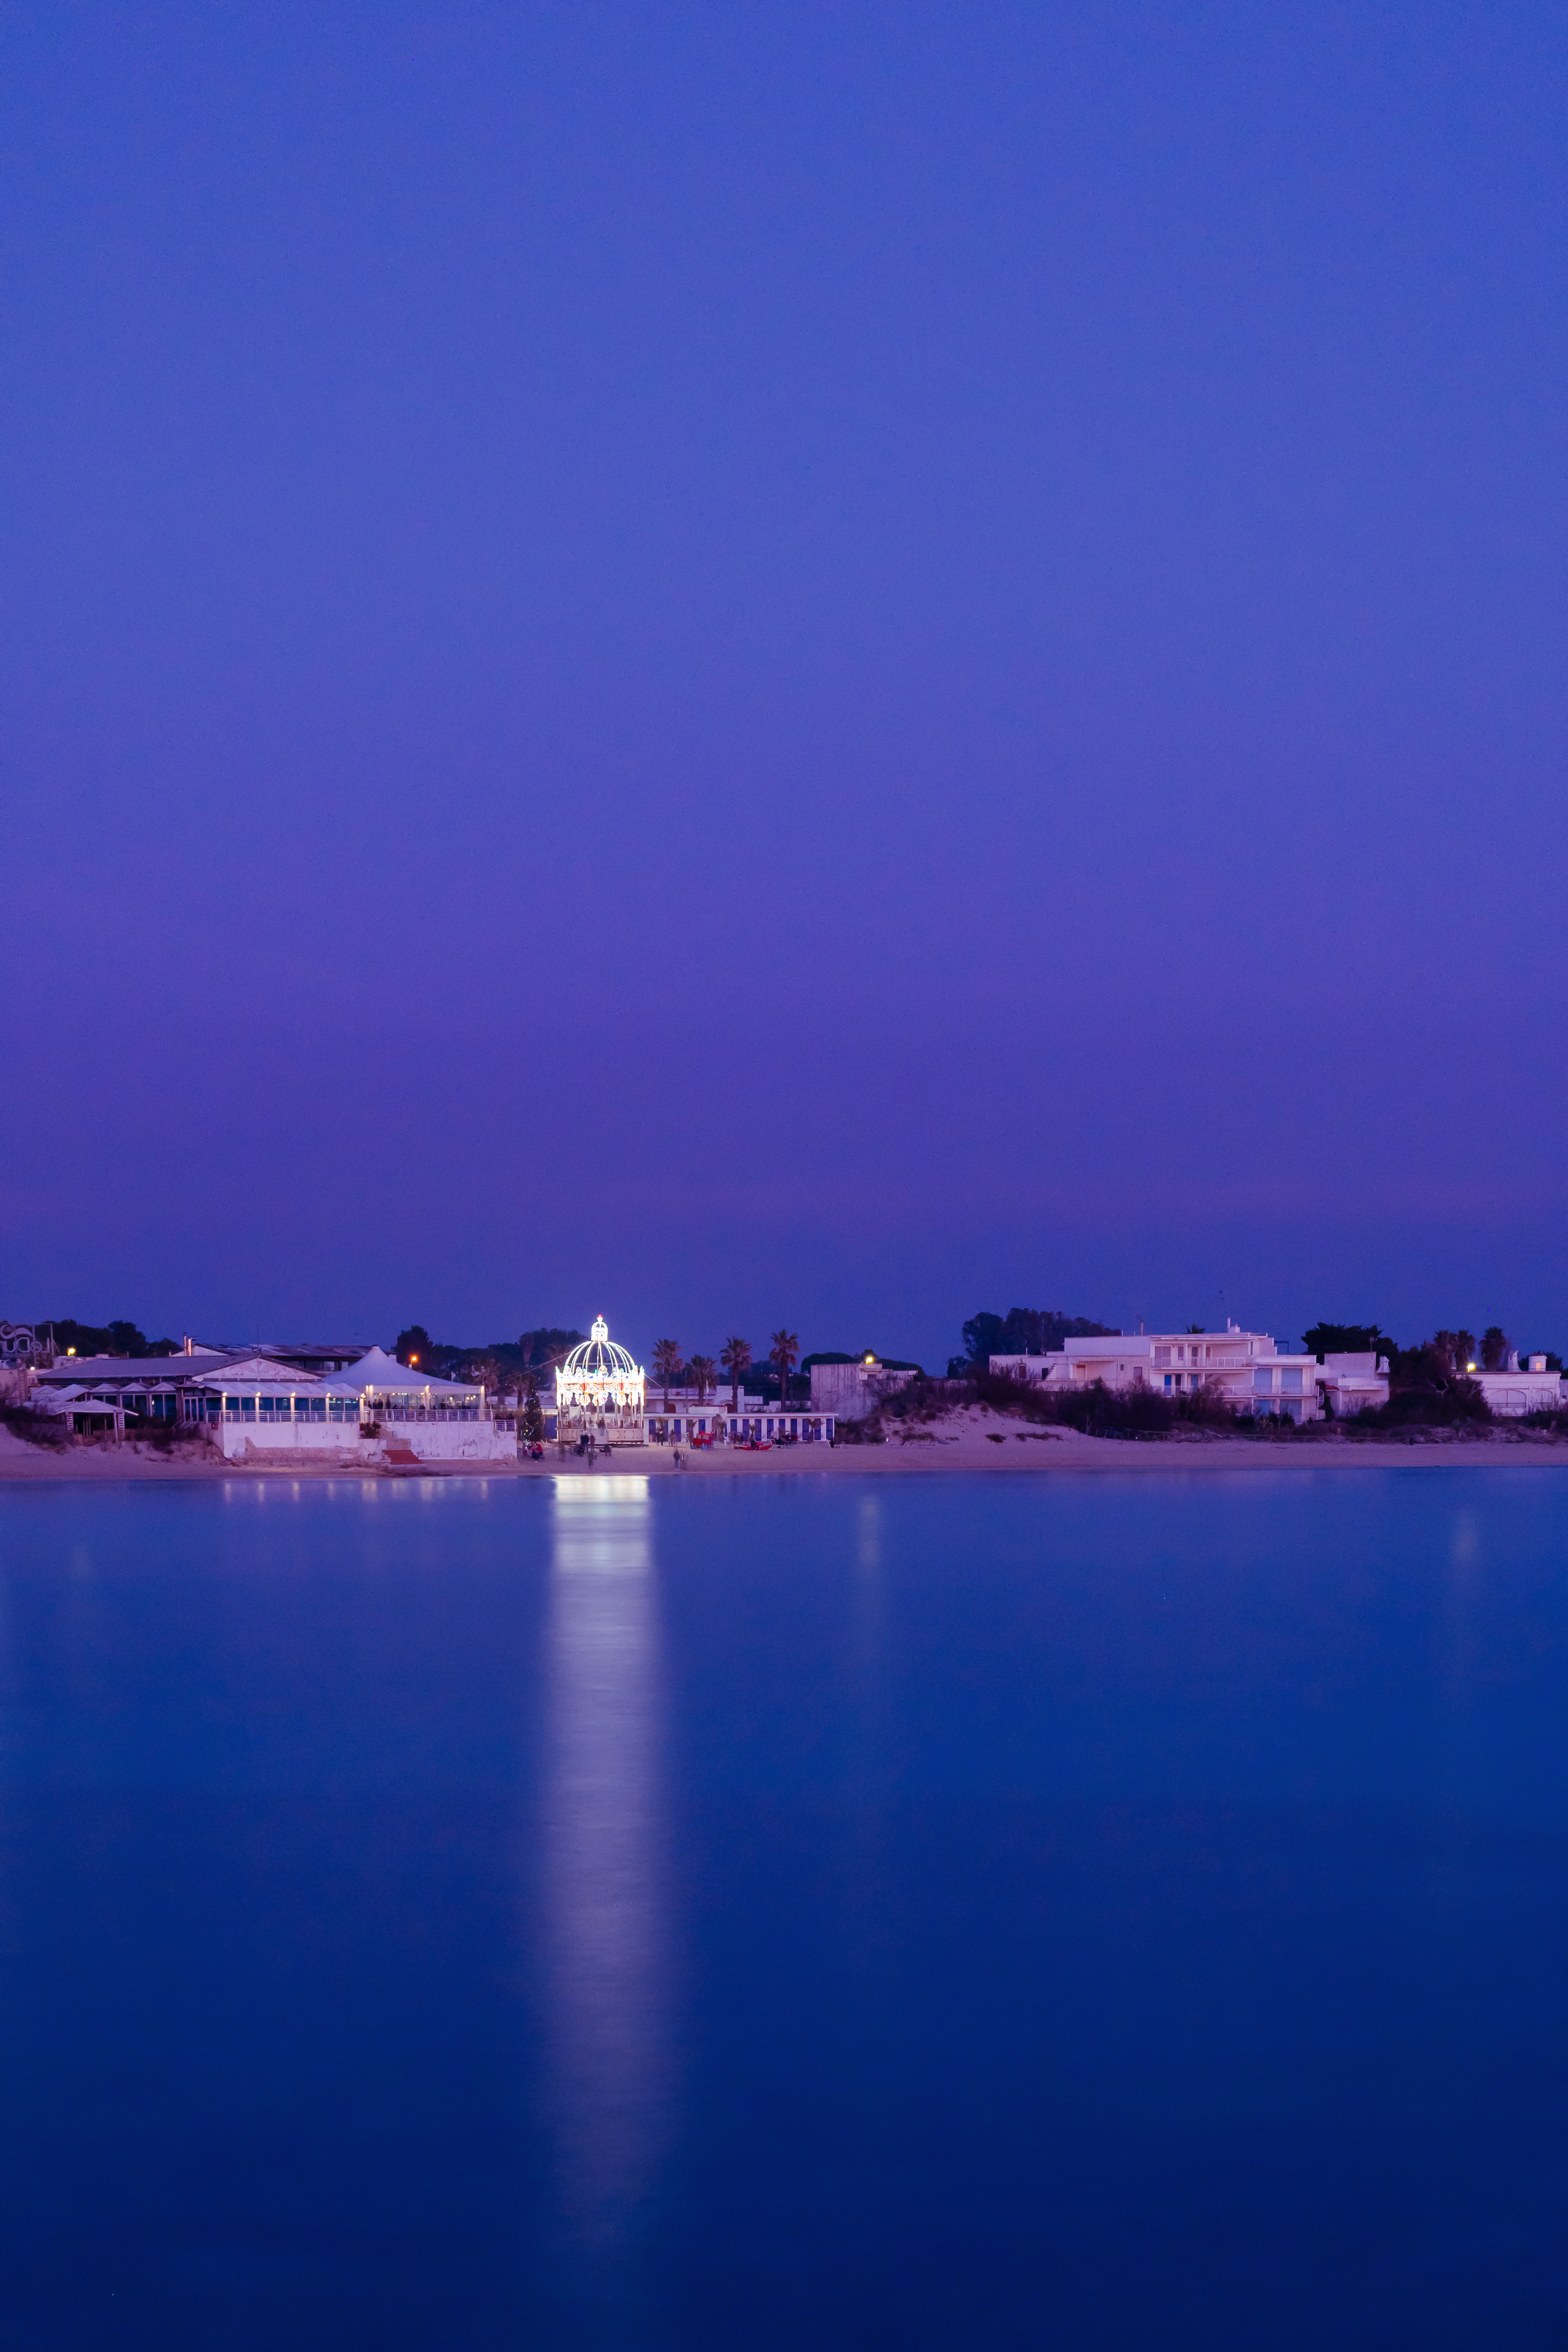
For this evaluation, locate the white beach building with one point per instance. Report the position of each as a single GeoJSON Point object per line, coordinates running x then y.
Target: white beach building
{"type": "Point", "coordinates": [1243, 1367]}
{"type": "Point", "coordinates": [256, 1405]}
{"type": "Point", "coordinates": [377, 1410]}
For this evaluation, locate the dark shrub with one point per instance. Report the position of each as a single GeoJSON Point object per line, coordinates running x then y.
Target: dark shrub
{"type": "Point", "coordinates": [166, 1436]}
{"type": "Point", "coordinates": [1005, 1393]}
{"type": "Point", "coordinates": [1207, 1409]}
{"type": "Point", "coordinates": [1101, 1411]}
{"type": "Point", "coordinates": [1461, 1404]}
{"type": "Point", "coordinates": [1347, 1339]}
{"type": "Point", "coordinates": [859, 1432]}
{"type": "Point", "coordinates": [46, 1429]}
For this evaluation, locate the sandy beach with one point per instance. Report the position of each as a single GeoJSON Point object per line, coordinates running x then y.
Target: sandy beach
{"type": "Point", "coordinates": [977, 1439]}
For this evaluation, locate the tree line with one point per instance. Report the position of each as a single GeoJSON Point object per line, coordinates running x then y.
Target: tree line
{"type": "Point", "coordinates": [536, 1354]}
{"type": "Point", "coordinates": [501, 1359]}
{"type": "Point", "coordinates": [674, 1369]}
{"type": "Point", "coordinates": [1021, 1331]}
{"type": "Point", "coordinates": [118, 1338]}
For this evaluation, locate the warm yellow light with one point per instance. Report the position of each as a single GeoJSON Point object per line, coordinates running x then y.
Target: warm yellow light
{"type": "Point", "coordinates": [70, 1352]}
{"type": "Point", "coordinates": [413, 1359]}
{"type": "Point", "coordinates": [871, 1359]}
{"type": "Point", "coordinates": [1470, 1368]}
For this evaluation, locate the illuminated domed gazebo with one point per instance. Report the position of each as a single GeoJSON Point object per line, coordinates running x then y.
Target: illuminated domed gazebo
{"type": "Point", "coordinates": [598, 1388]}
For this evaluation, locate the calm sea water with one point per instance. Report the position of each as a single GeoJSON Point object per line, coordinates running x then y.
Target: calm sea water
{"type": "Point", "coordinates": [903, 1912]}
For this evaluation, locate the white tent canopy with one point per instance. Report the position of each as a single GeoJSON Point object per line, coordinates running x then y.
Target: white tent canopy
{"type": "Point", "coordinates": [376, 1370]}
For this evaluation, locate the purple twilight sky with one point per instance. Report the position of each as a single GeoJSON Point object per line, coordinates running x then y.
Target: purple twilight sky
{"type": "Point", "coordinates": [825, 664]}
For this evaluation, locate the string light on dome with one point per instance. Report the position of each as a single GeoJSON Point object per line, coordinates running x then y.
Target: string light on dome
{"type": "Point", "coordinates": [599, 1379]}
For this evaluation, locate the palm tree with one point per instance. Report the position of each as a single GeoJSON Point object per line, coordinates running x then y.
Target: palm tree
{"type": "Point", "coordinates": [667, 1362]}
{"type": "Point", "coordinates": [704, 1372]}
{"type": "Point", "coordinates": [785, 1354]}
{"type": "Point", "coordinates": [736, 1355]}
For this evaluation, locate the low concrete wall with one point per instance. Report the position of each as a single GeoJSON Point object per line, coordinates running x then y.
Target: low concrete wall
{"type": "Point", "coordinates": [294, 1442]}
{"type": "Point", "coordinates": [320, 1445]}
{"type": "Point", "coordinates": [451, 1441]}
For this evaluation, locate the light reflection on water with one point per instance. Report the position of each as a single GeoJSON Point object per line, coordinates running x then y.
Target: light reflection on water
{"type": "Point", "coordinates": [606, 1902]}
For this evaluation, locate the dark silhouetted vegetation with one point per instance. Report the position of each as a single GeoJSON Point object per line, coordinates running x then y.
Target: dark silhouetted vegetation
{"type": "Point", "coordinates": [1098, 1411]}
{"type": "Point", "coordinates": [668, 1364]}
{"type": "Point", "coordinates": [1460, 1404]}
{"type": "Point", "coordinates": [784, 1354]}
{"type": "Point", "coordinates": [735, 1358]}
{"type": "Point", "coordinates": [540, 1351]}
{"type": "Point", "coordinates": [117, 1339]}
{"type": "Point", "coordinates": [500, 1360]}
{"type": "Point", "coordinates": [165, 1436]}
{"type": "Point", "coordinates": [1346, 1339]}
{"type": "Point", "coordinates": [1021, 1331]}
{"type": "Point", "coordinates": [1431, 1389]}
{"type": "Point", "coordinates": [47, 1429]}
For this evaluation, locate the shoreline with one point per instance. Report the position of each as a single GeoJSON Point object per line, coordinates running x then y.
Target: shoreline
{"type": "Point", "coordinates": [978, 1440]}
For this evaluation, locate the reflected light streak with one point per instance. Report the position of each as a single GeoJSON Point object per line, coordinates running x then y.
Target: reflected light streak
{"type": "Point", "coordinates": [605, 1895]}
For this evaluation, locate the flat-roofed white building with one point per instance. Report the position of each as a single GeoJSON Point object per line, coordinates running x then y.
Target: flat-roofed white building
{"type": "Point", "coordinates": [1520, 1389]}
{"type": "Point", "coordinates": [1352, 1383]}
{"type": "Point", "coordinates": [1243, 1367]}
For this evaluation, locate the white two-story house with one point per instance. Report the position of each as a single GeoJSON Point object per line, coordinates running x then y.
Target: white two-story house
{"type": "Point", "coordinates": [1244, 1368]}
